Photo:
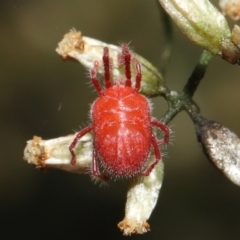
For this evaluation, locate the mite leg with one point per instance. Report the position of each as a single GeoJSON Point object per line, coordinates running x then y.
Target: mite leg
{"type": "Point", "coordinates": [138, 77]}
{"type": "Point", "coordinates": [107, 67]}
{"type": "Point", "coordinates": [95, 168]}
{"type": "Point", "coordinates": [157, 155]}
{"type": "Point", "coordinates": [74, 142]}
{"type": "Point", "coordinates": [93, 74]}
{"type": "Point", "coordinates": [164, 128]}
{"type": "Point", "coordinates": [126, 55]}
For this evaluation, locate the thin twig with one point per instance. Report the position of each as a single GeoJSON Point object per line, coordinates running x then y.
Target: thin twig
{"type": "Point", "coordinates": [197, 74]}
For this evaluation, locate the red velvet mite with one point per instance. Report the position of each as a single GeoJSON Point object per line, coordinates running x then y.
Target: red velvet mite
{"type": "Point", "coordinates": [121, 124]}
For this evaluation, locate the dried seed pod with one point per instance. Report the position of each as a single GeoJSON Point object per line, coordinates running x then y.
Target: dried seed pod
{"type": "Point", "coordinates": [221, 146]}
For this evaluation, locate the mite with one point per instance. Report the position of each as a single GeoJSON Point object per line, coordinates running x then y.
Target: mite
{"type": "Point", "coordinates": [121, 124]}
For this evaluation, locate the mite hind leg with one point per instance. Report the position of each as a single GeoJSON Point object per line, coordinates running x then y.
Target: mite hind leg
{"type": "Point", "coordinates": [157, 153]}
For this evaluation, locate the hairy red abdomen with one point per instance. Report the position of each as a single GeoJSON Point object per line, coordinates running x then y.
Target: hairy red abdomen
{"type": "Point", "coordinates": [122, 132]}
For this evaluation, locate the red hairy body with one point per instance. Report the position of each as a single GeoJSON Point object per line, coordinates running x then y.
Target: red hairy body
{"type": "Point", "coordinates": [121, 125]}
{"type": "Point", "coordinates": [126, 131]}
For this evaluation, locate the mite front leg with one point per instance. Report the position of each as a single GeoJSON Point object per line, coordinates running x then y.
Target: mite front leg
{"type": "Point", "coordinates": [74, 142]}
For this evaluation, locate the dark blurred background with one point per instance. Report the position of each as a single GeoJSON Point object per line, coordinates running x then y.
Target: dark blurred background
{"type": "Point", "coordinates": [42, 95]}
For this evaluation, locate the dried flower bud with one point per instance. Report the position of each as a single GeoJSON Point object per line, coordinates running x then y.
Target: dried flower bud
{"type": "Point", "coordinates": [231, 8]}
{"type": "Point", "coordinates": [142, 194]}
{"type": "Point", "coordinates": [141, 200]}
{"type": "Point", "coordinates": [204, 25]}
{"type": "Point", "coordinates": [54, 153]}
{"type": "Point", "coordinates": [87, 50]}
{"type": "Point", "coordinates": [221, 146]}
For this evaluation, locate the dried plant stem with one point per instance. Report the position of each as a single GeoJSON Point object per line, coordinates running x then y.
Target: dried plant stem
{"type": "Point", "coordinates": [197, 74]}
{"type": "Point", "coordinates": [183, 100]}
